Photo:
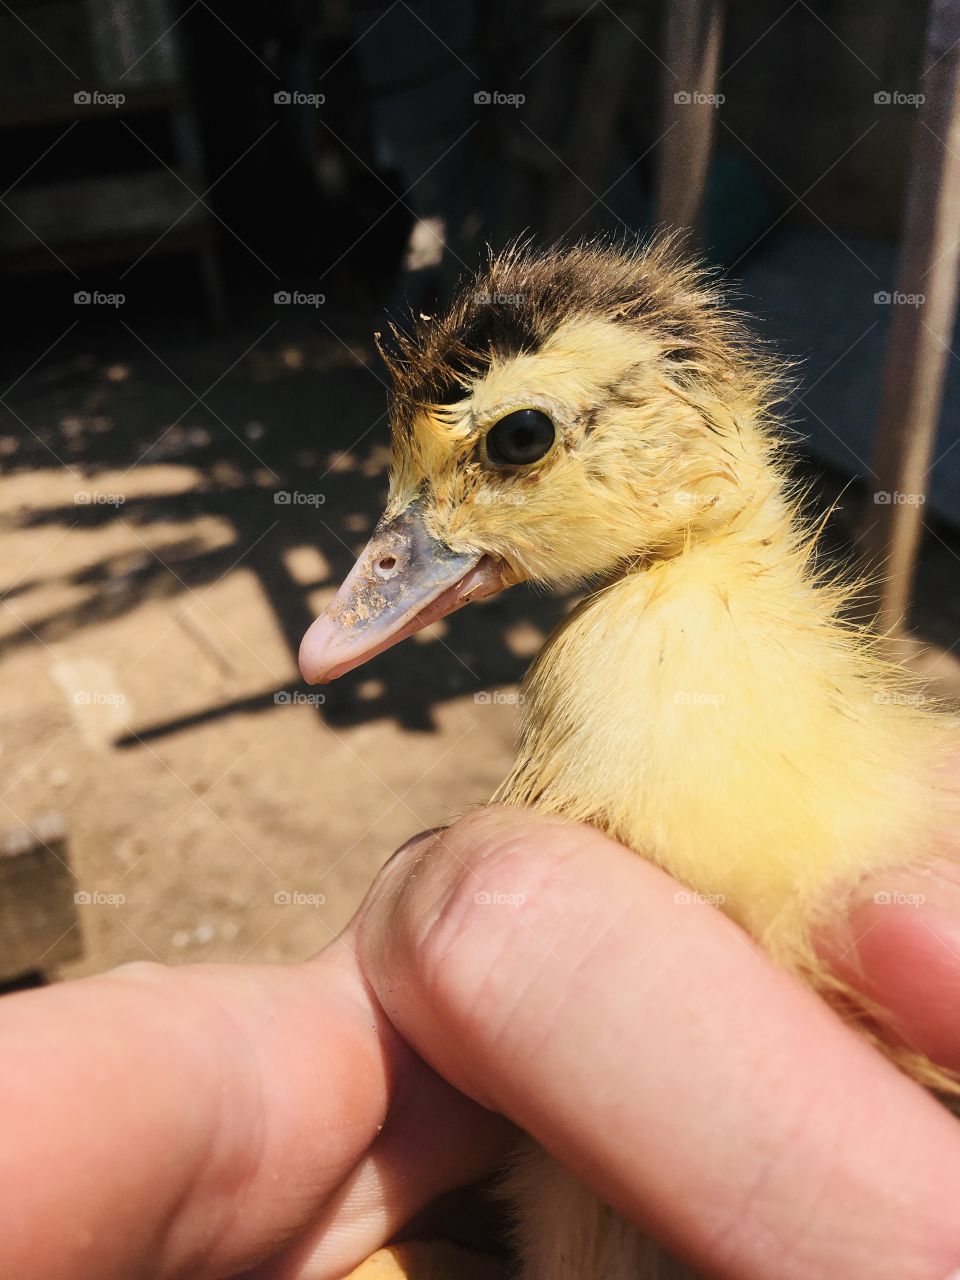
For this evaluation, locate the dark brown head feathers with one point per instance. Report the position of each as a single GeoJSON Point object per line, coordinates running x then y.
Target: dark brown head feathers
{"type": "Point", "coordinates": [523, 295]}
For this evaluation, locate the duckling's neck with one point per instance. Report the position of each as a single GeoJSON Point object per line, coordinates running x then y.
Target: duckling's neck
{"type": "Point", "coordinates": [711, 711]}
{"type": "Point", "coordinates": [762, 526]}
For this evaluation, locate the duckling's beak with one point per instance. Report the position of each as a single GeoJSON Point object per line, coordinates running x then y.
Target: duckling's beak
{"type": "Point", "coordinates": [404, 580]}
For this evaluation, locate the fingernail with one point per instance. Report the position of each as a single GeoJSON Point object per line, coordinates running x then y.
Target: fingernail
{"type": "Point", "coordinates": [428, 834]}
{"type": "Point", "coordinates": [393, 871]}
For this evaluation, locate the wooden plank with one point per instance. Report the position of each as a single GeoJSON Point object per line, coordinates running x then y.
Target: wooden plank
{"type": "Point", "coordinates": [31, 108]}
{"type": "Point", "coordinates": [88, 210]}
{"type": "Point", "coordinates": [183, 239]}
{"type": "Point", "coordinates": [38, 919]}
{"type": "Point", "coordinates": [52, 49]}
{"type": "Point", "coordinates": [919, 339]}
{"type": "Point", "coordinates": [694, 35]}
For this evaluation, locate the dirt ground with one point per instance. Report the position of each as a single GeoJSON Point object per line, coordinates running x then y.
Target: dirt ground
{"type": "Point", "coordinates": [154, 593]}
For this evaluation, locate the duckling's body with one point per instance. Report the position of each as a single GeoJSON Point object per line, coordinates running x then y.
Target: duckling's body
{"type": "Point", "coordinates": [751, 745]}
{"type": "Point", "coordinates": [739, 734]}
{"type": "Point", "coordinates": [708, 706]}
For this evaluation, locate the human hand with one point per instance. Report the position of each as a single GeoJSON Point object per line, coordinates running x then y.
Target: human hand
{"type": "Point", "coordinates": [198, 1121]}
{"type": "Point", "coordinates": [649, 1045]}
{"type": "Point", "coordinates": [212, 1121]}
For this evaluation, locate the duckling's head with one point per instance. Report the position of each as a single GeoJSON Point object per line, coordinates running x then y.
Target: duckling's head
{"type": "Point", "coordinates": [574, 414]}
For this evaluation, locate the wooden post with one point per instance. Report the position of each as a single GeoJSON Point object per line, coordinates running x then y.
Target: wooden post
{"type": "Point", "coordinates": [602, 93]}
{"type": "Point", "coordinates": [692, 53]}
{"type": "Point", "coordinates": [920, 335]}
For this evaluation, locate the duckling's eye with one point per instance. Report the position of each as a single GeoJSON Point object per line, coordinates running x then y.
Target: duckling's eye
{"type": "Point", "coordinates": [522, 437]}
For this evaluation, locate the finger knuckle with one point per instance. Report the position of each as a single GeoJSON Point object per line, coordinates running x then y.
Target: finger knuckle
{"type": "Point", "coordinates": [466, 938]}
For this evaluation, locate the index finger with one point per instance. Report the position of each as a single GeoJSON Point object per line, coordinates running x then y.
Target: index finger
{"type": "Point", "coordinates": [650, 1046]}
{"type": "Point", "coordinates": [164, 1122]}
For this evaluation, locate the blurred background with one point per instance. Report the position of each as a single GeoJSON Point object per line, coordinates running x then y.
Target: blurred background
{"type": "Point", "coordinates": [207, 210]}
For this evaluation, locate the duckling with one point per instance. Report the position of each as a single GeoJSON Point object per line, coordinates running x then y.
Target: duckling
{"type": "Point", "coordinates": [596, 416]}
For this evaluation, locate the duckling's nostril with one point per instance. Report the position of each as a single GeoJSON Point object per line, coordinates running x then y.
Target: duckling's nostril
{"type": "Point", "coordinates": [386, 566]}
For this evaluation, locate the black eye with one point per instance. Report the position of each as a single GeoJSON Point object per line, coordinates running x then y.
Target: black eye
{"type": "Point", "coordinates": [522, 437]}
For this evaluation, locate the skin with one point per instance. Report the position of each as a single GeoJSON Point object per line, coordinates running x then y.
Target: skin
{"type": "Point", "coordinates": [283, 1122]}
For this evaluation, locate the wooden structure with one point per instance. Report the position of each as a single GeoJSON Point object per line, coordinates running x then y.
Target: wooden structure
{"type": "Point", "coordinates": [694, 36]}
{"type": "Point", "coordinates": [39, 929]}
{"type": "Point", "coordinates": [124, 62]}
{"type": "Point", "coordinates": [918, 344]}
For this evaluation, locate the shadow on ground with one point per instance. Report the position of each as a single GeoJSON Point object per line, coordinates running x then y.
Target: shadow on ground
{"type": "Point", "coordinates": [281, 430]}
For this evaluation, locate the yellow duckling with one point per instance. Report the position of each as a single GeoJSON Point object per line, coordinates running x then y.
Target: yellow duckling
{"type": "Point", "coordinates": [597, 417]}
